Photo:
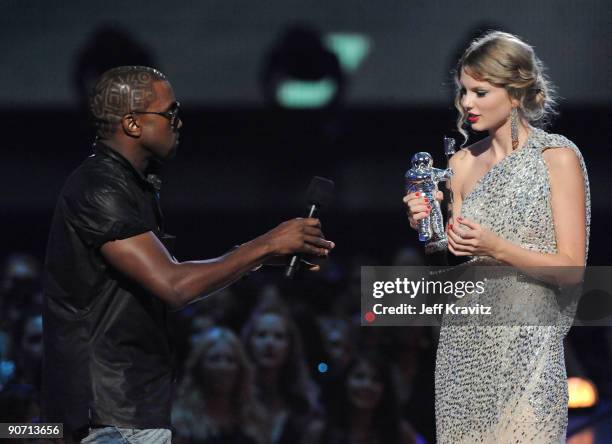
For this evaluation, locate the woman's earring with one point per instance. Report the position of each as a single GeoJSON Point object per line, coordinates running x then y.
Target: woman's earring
{"type": "Point", "coordinates": [514, 128]}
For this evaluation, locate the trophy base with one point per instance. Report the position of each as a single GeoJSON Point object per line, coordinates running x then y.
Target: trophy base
{"type": "Point", "coordinates": [436, 246]}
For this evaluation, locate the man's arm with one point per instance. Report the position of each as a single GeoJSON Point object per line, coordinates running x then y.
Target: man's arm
{"type": "Point", "coordinates": [145, 260]}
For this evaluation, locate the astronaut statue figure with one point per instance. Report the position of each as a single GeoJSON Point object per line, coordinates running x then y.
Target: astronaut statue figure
{"type": "Point", "coordinates": [424, 178]}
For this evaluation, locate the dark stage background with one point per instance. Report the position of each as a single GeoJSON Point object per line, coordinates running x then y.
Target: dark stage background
{"type": "Point", "coordinates": [244, 162]}
{"type": "Point", "coordinates": [239, 171]}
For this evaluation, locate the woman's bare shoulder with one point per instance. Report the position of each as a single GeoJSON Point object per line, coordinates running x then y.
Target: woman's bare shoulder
{"type": "Point", "coordinates": [469, 153]}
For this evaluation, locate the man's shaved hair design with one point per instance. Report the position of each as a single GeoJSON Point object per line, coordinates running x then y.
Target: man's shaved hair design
{"type": "Point", "coordinates": [120, 91]}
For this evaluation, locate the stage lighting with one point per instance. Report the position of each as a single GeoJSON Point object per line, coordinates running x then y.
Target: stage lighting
{"type": "Point", "coordinates": [350, 48]}
{"type": "Point", "coordinates": [582, 393]}
{"type": "Point", "coordinates": [301, 72]}
{"type": "Point", "coordinates": [303, 94]}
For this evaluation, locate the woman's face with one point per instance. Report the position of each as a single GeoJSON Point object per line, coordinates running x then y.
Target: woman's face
{"type": "Point", "coordinates": [364, 387]}
{"type": "Point", "coordinates": [487, 106]}
{"type": "Point", "coordinates": [270, 341]}
{"type": "Point", "coordinates": [32, 338]}
{"type": "Point", "coordinates": [338, 347]}
{"type": "Point", "coordinates": [220, 367]}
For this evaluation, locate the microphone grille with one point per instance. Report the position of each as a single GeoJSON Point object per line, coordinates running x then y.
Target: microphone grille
{"type": "Point", "coordinates": [320, 191]}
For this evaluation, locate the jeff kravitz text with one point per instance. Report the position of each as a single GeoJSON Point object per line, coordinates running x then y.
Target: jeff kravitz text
{"type": "Point", "coordinates": [435, 309]}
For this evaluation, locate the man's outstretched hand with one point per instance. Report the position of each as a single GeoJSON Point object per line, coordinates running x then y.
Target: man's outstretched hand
{"type": "Point", "coordinates": [302, 236]}
{"type": "Point", "coordinates": [145, 260]}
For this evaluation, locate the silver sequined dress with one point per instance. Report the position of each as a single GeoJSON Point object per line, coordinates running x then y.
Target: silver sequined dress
{"type": "Point", "coordinates": [507, 384]}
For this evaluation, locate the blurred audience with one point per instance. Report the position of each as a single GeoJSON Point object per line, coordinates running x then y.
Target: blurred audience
{"type": "Point", "coordinates": [337, 342]}
{"type": "Point", "coordinates": [283, 384]}
{"type": "Point", "coordinates": [363, 407]}
{"type": "Point", "coordinates": [20, 339]}
{"type": "Point", "coordinates": [27, 350]}
{"type": "Point", "coordinates": [373, 385]}
{"type": "Point", "coordinates": [216, 403]}
{"type": "Point", "coordinates": [21, 289]}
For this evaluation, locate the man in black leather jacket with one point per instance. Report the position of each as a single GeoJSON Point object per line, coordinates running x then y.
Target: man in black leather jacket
{"type": "Point", "coordinates": [109, 279]}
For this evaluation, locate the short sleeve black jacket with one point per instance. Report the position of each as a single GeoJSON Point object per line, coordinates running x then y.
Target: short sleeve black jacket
{"type": "Point", "coordinates": [107, 353]}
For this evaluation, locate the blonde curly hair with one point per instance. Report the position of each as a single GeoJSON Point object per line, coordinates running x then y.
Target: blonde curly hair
{"type": "Point", "coordinates": [504, 60]}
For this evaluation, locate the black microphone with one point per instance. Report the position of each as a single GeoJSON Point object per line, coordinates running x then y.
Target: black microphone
{"type": "Point", "coordinates": [319, 195]}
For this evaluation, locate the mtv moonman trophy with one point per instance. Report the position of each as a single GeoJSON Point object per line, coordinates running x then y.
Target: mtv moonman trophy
{"type": "Point", "coordinates": [424, 178]}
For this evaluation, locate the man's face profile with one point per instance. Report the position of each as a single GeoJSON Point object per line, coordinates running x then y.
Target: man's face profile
{"type": "Point", "coordinates": [158, 135]}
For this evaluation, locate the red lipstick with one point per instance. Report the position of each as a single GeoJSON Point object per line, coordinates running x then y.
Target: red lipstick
{"type": "Point", "coordinates": [473, 118]}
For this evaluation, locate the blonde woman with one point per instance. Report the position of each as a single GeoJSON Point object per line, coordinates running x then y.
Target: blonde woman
{"type": "Point", "coordinates": [521, 198]}
{"type": "Point", "coordinates": [216, 402]}
{"type": "Point", "coordinates": [274, 344]}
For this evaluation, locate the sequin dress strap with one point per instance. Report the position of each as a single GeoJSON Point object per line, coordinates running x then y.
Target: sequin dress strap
{"type": "Point", "coordinates": [545, 141]}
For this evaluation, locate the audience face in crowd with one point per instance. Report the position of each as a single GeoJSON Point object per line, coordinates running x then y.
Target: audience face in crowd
{"type": "Point", "coordinates": [218, 364]}
{"type": "Point", "coordinates": [216, 399]}
{"type": "Point", "coordinates": [362, 407]}
{"type": "Point", "coordinates": [368, 385]}
{"type": "Point", "coordinates": [31, 341]}
{"type": "Point", "coordinates": [28, 351]}
{"type": "Point", "coordinates": [269, 341]}
{"type": "Point", "coordinates": [283, 384]}
{"type": "Point", "coordinates": [337, 341]}
{"type": "Point", "coordinates": [364, 386]}
{"type": "Point", "coordinates": [219, 368]}
{"type": "Point", "coordinates": [274, 345]}
{"type": "Point", "coordinates": [20, 290]}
